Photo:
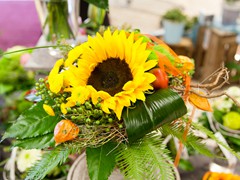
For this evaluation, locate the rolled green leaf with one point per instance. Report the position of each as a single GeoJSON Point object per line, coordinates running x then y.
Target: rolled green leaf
{"type": "Point", "coordinates": [159, 108]}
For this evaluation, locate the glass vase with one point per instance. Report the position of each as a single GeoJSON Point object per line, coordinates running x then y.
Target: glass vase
{"type": "Point", "coordinates": [59, 19]}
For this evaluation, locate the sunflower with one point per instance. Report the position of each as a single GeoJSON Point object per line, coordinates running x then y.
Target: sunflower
{"type": "Point", "coordinates": [110, 68]}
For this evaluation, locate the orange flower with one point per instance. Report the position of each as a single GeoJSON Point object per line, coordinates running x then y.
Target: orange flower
{"type": "Point", "coordinates": [220, 176]}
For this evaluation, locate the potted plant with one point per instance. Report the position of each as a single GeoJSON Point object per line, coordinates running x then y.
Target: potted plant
{"type": "Point", "coordinates": [173, 22]}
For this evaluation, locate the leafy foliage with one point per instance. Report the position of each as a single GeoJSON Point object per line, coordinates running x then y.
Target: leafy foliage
{"type": "Point", "coordinates": [38, 142]}
{"type": "Point", "coordinates": [145, 159]}
{"type": "Point", "coordinates": [99, 3]}
{"type": "Point", "coordinates": [175, 15]}
{"type": "Point", "coordinates": [31, 126]}
{"type": "Point", "coordinates": [12, 75]}
{"type": "Point", "coordinates": [101, 161]}
{"type": "Point", "coordinates": [192, 140]}
{"type": "Point", "coordinates": [49, 161]}
{"type": "Point", "coordinates": [159, 108]}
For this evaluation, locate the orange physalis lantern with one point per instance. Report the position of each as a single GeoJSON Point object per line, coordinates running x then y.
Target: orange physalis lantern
{"type": "Point", "coordinates": [65, 130]}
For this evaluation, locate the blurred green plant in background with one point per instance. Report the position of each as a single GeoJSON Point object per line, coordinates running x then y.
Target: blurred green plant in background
{"type": "Point", "coordinates": [15, 81]}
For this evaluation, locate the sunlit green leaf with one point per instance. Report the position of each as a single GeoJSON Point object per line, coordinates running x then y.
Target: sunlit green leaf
{"type": "Point", "coordinates": [38, 142]}
{"type": "Point", "coordinates": [159, 108]}
{"type": "Point", "coordinates": [32, 123]}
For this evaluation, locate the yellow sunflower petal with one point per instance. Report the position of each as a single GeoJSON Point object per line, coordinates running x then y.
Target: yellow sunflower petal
{"type": "Point", "coordinates": [63, 108]}
{"type": "Point", "coordinates": [118, 110]}
{"type": "Point", "coordinates": [55, 79]}
{"type": "Point", "coordinates": [150, 64]}
{"type": "Point", "coordinates": [48, 109]}
{"type": "Point", "coordinates": [56, 84]}
{"type": "Point", "coordinates": [73, 55]}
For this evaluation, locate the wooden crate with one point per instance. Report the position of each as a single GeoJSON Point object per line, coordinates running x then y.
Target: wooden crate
{"type": "Point", "coordinates": [220, 48]}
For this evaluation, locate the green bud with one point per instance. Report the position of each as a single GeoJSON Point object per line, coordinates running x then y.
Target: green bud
{"type": "Point", "coordinates": [69, 109]}
{"type": "Point", "coordinates": [110, 120]}
{"type": "Point", "coordinates": [80, 110]}
{"type": "Point", "coordinates": [120, 126]}
{"type": "Point", "coordinates": [88, 120]}
{"type": "Point", "coordinates": [41, 80]}
{"type": "Point", "coordinates": [97, 122]}
{"type": "Point", "coordinates": [98, 105]}
{"type": "Point", "coordinates": [43, 97]}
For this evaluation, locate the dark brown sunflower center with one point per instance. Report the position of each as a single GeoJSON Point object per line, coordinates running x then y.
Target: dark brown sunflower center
{"type": "Point", "coordinates": [110, 76]}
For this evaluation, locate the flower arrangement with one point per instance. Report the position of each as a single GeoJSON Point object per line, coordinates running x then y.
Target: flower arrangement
{"type": "Point", "coordinates": [116, 96]}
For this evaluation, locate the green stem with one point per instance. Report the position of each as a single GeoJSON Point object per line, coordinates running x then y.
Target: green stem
{"type": "Point", "coordinates": [38, 47]}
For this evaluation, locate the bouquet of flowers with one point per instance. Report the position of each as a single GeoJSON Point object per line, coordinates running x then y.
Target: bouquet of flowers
{"type": "Point", "coordinates": [116, 96]}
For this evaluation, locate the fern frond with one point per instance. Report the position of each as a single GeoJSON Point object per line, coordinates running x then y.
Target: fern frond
{"type": "Point", "coordinates": [146, 159]}
{"type": "Point", "coordinates": [157, 157]}
{"type": "Point", "coordinates": [49, 161]}
{"type": "Point", "coordinates": [129, 161]}
{"type": "Point", "coordinates": [192, 140]}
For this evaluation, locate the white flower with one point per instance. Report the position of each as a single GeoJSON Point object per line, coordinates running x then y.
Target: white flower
{"type": "Point", "coordinates": [27, 158]}
{"type": "Point", "coordinates": [223, 104]}
{"type": "Point", "coordinates": [234, 91]}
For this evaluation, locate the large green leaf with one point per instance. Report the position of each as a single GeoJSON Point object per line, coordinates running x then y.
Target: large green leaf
{"type": "Point", "coordinates": [39, 142]}
{"type": "Point", "coordinates": [101, 161]}
{"type": "Point", "coordinates": [99, 3]}
{"type": "Point", "coordinates": [159, 108]}
{"type": "Point", "coordinates": [32, 123]}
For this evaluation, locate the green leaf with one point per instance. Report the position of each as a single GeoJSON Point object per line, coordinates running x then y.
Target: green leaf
{"type": "Point", "coordinates": [38, 142]}
{"type": "Point", "coordinates": [32, 123]}
{"type": "Point", "coordinates": [159, 108]}
{"type": "Point", "coordinates": [99, 3]}
{"type": "Point", "coordinates": [101, 161]}
{"type": "Point", "coordinates": [164, 51]}
{"type": "Point", "coordinates": [5, 88]}
{"type": "Point", "coordinates": [145, 159]}
{"type": "Point", "coordinates": [48, 162]}
{"type": "Point", "coordinates": [185, 165]}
